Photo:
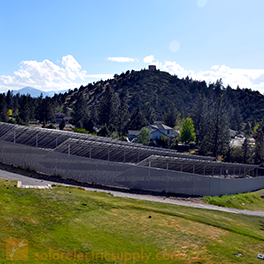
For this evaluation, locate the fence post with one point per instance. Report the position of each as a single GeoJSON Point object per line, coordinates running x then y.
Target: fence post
{"type": "Point", "coordinates": [69, 149]}
{"type": "Point", "coordinates": [36, 140]}
{"type": "Point", "coordinates": [14, 136]}
{"type": "Point", "coordinates": [2, 154]}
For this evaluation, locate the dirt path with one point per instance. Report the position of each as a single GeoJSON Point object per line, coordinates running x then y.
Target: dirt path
{"type": "Point", "coordinates": [33, 179]}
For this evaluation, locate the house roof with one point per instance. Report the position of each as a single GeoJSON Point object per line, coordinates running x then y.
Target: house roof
{"type": "Point", "coordinates": [59, 115]}
{"type": "Point", "coordinates": [133, 132]}
{"type": "Point", "coordinates": [159, 125]}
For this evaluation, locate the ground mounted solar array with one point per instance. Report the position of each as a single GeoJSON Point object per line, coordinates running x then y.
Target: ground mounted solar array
{"type": "Point", "coordinates": [103, 148]}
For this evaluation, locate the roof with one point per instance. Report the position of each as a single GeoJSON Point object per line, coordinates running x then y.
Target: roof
{"type": "Point", "coordinates": [160, 126]}
{"type": "Point", "coordinates": [133, 132]}
{"type": "Point", "coordinates": [59, 114]}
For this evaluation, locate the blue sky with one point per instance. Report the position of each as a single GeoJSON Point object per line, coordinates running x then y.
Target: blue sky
{"type": "Point", "coordinates": [62, 44]}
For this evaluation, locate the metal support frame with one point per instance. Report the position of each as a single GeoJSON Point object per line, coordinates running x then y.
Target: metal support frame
{"type": "Point", "coordinates": [36, 140]}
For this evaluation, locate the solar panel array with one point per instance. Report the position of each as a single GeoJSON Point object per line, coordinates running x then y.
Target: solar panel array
{"type": "Point", "coordinates": [84, 144]}
{"type": "Point", "coordinates": [202, 167]}
{"type": "Point", "coordinates": [103, 148]}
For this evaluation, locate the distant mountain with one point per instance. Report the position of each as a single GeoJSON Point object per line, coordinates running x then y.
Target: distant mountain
{"type": "Point", "coordinates": [35, 92]}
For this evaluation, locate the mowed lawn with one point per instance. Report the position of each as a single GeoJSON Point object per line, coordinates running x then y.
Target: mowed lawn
{"type": "Point", "coordinates": [71, 225]}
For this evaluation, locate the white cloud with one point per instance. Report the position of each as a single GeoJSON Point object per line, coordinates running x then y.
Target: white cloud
{"type": "Point", "coordinates": [121, 59]}
{"type": "Point", "coordinates": [149, 59]}
{"type": "Point", "coordinates": [245, 78]}
{"type": "Point", "coordinates": [48, 76]}
{"type": "Point", "coordinates": [101, 76]}
{"type": "Point", "coordinates": [173, 68]}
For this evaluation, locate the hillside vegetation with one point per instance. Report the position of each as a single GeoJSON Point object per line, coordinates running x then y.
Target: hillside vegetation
{"type": "Point", "coordinates": [60, 221]}
{"type": "Point", "coordinates": [161, 89]}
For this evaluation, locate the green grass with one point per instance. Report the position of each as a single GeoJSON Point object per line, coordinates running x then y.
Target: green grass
{"type": "Point", "coordinates": [251, 200]}
{"type": "Point", "coordinates": [63, 220]}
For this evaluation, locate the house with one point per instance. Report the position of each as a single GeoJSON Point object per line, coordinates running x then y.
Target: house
{"type": "Point", "coordinates": [133, 134]}
{"type": "Point", "coordinates": [157, 129]}
{"type": "Point", "coordinates": [60, 116]}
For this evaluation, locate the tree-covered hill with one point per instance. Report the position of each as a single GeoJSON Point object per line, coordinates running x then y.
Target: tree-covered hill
{"type": "Point", "coordinates": [160, 90]}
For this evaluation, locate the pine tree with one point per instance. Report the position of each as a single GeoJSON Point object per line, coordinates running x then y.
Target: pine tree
{"type": "Point", "coordinates": [79, 110]}
{"type": "Point", "coordinates": [200, 118]}
{"type": "Point", "coordinates": [24, 110]}
{"type": "Point", "coordinates": [3, 109]}
{"type": "Point", "coordinates": [108, 108]}
{"type": "Point", "coordinates": [259, 145]}
{"type": "Point", "coordinates": [137, 120]}
{"type": "Point", "coordinates": [149, 113]}
{"type": "Point", "coordinates": [217, 138]}
{"type": "Point", "coordinates": [94, 114]}
{"type": "Point", "coordinates": [62, 124]}
{"type": "Point", "coordinates": [246, 150]}
{"type": "Point", "coordinates": [9, 99]}
{"type": "Point", "coordinates": [171, 116]}
{"type": "Point", "coordinates": [123, 118]}
{"type": "Point", "coordinates": [236, 119]}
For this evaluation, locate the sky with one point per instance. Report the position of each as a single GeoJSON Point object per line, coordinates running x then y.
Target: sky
{"type": "Point", "coordinates": [63, 44]}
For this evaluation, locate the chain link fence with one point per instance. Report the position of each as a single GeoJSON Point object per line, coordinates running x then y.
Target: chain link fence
{"type": "Point", "coordinates": [130, 176]}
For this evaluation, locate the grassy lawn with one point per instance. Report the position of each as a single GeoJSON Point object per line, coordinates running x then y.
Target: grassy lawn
{"type": "Point", "coordinates": [252, 200]}
{"type": "Point", "coordinates": [64, 223]}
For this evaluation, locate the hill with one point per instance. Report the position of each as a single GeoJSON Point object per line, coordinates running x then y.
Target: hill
{"type": "Point", "coordinates": [160, 90]}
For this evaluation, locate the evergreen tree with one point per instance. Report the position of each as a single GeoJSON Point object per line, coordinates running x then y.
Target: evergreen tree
{"type": "Point", "coordinates": [187, 133]}
{"type": "Point", "coordinates": [171, 116]}
{"type": "Point", "coordinates": [259, 146]}
{"type": "Point", "coordinates": [247, 130]}
{"type": "Point", "coordinates": [9, 100]}
{"type": "Point", "coordinates": [94, 114]}
{"type": "Point", "coordinates": [79, 110]}
{"type": "Point", "coordinates": [123, 118]}
{"type": "Point", "coordinates": [88, 125]}
{"type": "Point", "coordinates": [137, 120]}
{"type": "Point", "coordinates": [149, 113]}
{"type": "Point", "coordinates": [47, 113]}
{"type": "Point", "coordinates": [236, 119]}
{"type": "Point", "coordinates": [24, 110]}
{"type": "Point", "coordinates": [62, 124]}
{"type": "Point", "coordinates": [108, 108]}
{"type": "Point", "coordinates": [246, 150]}
{"type": "Point", "coordinates": [200, 118]}
{"type": "Point", "coordinates": [3, 109]}
{"type": "Point", "coordinates": [65, 110]}
{"type": "Point", "coordinates": [104, 132]}
{"type": "Point", "coordinates": [217, 139]}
